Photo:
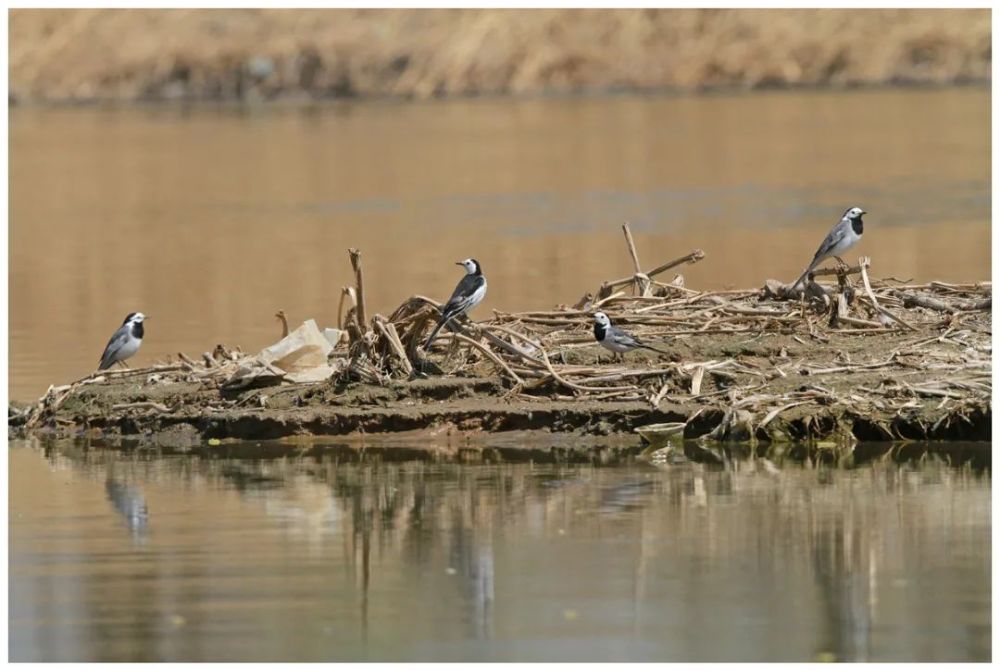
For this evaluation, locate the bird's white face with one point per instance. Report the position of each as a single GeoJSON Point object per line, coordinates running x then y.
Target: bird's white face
{"type": "Point", "coordinates": [137, 318]}
{"type": "Point", "coordinates": [470, 266]}
{"type": "Point", "coordinates": [602, 319]}
{"type": "Point", "coordinates": [855, 212]}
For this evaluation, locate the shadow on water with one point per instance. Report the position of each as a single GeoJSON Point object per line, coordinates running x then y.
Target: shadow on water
{"type": "Point", "coordinates": [313, 558]}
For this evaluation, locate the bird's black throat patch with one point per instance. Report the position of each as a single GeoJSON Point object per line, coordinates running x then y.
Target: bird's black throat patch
{"type": "Point", "coordinates": [137, 330]}
{"type": "Point", "coordinates": [858, 225]}
{"type": "Point", "coordinates": [599, 331]}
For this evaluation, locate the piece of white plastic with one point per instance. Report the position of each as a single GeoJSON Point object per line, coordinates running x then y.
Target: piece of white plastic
{"type": "Point", "coordinates": [301, 354]}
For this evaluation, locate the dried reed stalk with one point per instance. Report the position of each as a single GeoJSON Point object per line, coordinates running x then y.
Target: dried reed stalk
{"type": "Point", "coordinates": [359, 282]}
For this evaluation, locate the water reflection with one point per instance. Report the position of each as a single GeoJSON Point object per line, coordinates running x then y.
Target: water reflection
{"type": "Point", "coordinates": [471, 561]}
{"type": "Point", "coordinates": [130, 504]}
{"type": "Point", "coordinates": [845, 574]}
{"type": "Point", "coordinates": [311, 559]}
{"type": "Point", "coordinates": [628, 496]}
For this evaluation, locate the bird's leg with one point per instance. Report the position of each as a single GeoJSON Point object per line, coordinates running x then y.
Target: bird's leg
{"type": "Point", "coordinates": [842, 278]}
{"type": "Point", "coordinates": [459, 323]}
{"type": "Point", "coordinates": [124, 365]}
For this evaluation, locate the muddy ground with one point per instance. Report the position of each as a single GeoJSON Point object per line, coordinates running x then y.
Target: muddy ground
{"type": "Point", "coordinates": [907, 400]}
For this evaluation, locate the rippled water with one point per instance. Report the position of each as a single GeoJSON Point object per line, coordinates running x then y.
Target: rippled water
{"type": "Point", "coordinates": [209, 220]}
{"type": "Point", "coordinates": [134, 556]}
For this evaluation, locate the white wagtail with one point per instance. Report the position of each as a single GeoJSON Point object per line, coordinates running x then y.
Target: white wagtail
{"type": "Point", "coordinates": [125, 341]}
{"type": "Point", "coordinates": [841, 237]}
{"type": "Point", "coordinates": [615, 339]}
{"type": "Point", "coordinates": [468, 293]}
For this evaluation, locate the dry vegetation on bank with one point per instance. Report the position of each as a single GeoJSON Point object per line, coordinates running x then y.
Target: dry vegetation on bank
{"type": "Point", "coordinates": [99, 54]}
{"type": "Point", "coordinates": [861, 360]}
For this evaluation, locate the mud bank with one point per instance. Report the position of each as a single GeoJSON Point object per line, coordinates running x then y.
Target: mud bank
{"type": "Point", "coordinates": [822, 370]}
{"type": "Point", "coordinates": [259, 54]}
{"type": "Point", "coordinates": [132, 407]}
{"type": "Point", "coordinates": [484, 418]}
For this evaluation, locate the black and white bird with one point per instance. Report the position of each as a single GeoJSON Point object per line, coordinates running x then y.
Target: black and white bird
{"type": "Point", "coordinates": [844, 235]}
{"type": "Point", "coordinates": [468, 294]}
{"type": "Point", "coordinates": [125, 341]}
{"type": "Point", "coordinates": [615, 339]}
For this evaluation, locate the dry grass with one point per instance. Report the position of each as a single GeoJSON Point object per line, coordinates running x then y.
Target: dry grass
{"type": "Point", "coordinates": [894, 356]}
{"type": "Point", "coordinates": [60, 55]}
{"type": "Point", "coordinates": [876, 351]}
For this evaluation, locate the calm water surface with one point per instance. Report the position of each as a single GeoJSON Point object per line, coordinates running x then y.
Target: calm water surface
{"type": "Point", "coordinates": [119, 556]}
{"type": "Point", "coordinates": [210, 220]}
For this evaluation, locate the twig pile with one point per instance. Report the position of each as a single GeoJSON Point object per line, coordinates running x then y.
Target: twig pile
{"type": "Point", "coordinates": [928, 341]}
{"type": "Point", "coordinates": [878, 349]}
{"type": "Point", "coordinates": [215, 368]}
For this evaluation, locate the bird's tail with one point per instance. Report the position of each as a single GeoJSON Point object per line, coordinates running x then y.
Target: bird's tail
{"type": "Point", "coordinates": [817, 259]}
{"type": "Point", "coordinates": [650, 347]}
{"type": "Point", "coordinates": [804, 274]}
{"type": "Point", "coordinates": [440, 325]}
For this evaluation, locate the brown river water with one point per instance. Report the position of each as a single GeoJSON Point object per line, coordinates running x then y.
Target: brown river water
{"type": "Point", "coordinates": [119, 556]}
{"type": "Point", "coordinates": [211, 219]}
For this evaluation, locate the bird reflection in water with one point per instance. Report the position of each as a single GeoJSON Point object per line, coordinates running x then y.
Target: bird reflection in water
{"type": "Point", "coordinates": [845, 571]}
{"type": "Point", "coordinates": [129, 502]}
{"type": "Point", "coordinates": [629, 496]}
{"type": "Point", "coordinates": [471, 557]}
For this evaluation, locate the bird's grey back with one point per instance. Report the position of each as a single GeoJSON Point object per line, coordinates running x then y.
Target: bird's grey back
{"type": "Point", "coordinates": [619, 336]}
{"type": "Point", "coordinates": [118, 339]}
{"type": "Point", "coordinates": [835, 235]}
{"type": "Point", "coordinates": [466, 287]}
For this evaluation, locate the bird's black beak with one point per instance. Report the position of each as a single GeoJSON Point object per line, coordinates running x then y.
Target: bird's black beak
{"type": "Point", "coordinates": [459, 263]}
{"type": "Point", "coordinates": [863, 212]}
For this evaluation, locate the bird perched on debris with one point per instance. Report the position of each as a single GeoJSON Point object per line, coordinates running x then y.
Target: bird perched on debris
{"type": "Point", "coordinates": [844, 235]}
{"type": "Point", "coordinates": [125, 342]}
{"type": "Point", "coordinates": [468, 294]}
{"type": "Point", "coordinates": [615, 339]}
